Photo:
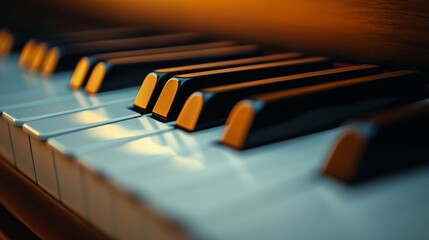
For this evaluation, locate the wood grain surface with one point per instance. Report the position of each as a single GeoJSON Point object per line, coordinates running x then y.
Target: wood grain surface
{"type": "Point", "coordinates": [383, 32]}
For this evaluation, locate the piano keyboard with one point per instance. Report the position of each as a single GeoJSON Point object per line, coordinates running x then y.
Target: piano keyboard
{"type": "Point", "coordinates": [154, 135]}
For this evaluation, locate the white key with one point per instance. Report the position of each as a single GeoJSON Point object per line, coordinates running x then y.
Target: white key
{"type": "Point", "coordinates": [380, 209]}
{"type": "Point", "coordinates": [78, 101]}
{"type": "Point", "coordinates": [178, 190]}
{"type": "Point", "coordinates": [66, 146]}
{"type": "Point", "coordinates": [92, 139]}
{"type": "Point", "coordinates": [41, 130]}
{"type": "Point", "coordinates": [45, 90]}
{"type": "Point", "coordinates": [5, 143]}
{"type": "Point", "coordinates": [12, 78]}
{"type": "Point", "coordinates": [142, 152]}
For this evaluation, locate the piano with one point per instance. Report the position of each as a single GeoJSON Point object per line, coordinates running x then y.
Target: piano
{"type": "Point", "coordinates": [214, 119]}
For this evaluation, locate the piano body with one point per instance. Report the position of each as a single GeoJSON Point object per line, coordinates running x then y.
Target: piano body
{"type": "Point", "coordinates": [330, 147]}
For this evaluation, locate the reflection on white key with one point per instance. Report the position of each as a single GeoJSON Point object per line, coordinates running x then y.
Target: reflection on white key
{"type": "Point", "coordinates": [231, 172]}
{"type": "Point", "coordinates": [194, 185]}
{"type": "Point", "coordinates": [142, 153]}
{"type": "Point", "coordinates": [106, 135]}
{"type": "Point", "coordinates": [376, 210]}
{"type": "Point", "coordinates": [66, 146]}
{"type": "Point", "coordinates": [37, 132]}
{"type": "Point", "coordinates": [78, 101]}
{"type": "Point", "coordinates": [43, 129]}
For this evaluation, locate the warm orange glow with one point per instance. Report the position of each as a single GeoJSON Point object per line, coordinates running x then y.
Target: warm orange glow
{"type": "Point", "coordinates": [79, 73]}
{"type": "Point", "coordinates": [231, 63]}
{"type": "Point", "coordinates": [165, 100]}
{"type": "Point", "coordinates": [343, 161]}
{"type": "Point", "coordinates": [138, 41]}
{"type": "Point", "coordinates": [39, 55]}
{"type": "Point", "coordinates": [6, 43]}
{"type": "Point", "coordinates": [238, 125]}
{"type": "Point", "coordinates": [250, 67]}
{"type": "Point", "coordinates": [350, 29]}
{"type": "Point", "coordinates": [159, 50]}
{"type": "Point", "coordinates": [96, 78]}
{"type": "Point", "coordinates": [27, 53]}
{"type": "Point", "coordinates": [326, 86]}
{"type": "Point", "coordinates": [50, 62]}
{"type": "Point", "coordinates": [145, 91]}
{"type": "Point", "coordinates": [234, 86]}
{"type": "Point", "coordinates": [186, 54]}
{"type": "Point", "coordinates": [2, 37]}
{"type": "Point", "coordinates": [191, 111]}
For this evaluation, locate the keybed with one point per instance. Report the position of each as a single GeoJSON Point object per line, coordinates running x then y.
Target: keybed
{"type": "Point", "coordinates": [140, 132]}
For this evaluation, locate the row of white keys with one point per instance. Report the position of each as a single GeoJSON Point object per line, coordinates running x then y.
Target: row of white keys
{"type": "Point", "coordinates": [394, 207]}
{"type": "Point", "coordinates": [65, 147]}
{"type": "Point", "coordinates": [77, 101]}
{"type": "Point", "coordinates": [149, 159]}
{"type": "Point", "coordinates": [286, 169]}
{"type": "Point", "coordinates": [15, 117]}
{"type": "Point", "coordinates": [32, 157]}
{"type": "Point", "coordinates": [142, 153]}
{"type": "Point", "coordinates": [17, 88]}
{"type": "Point", "coordinates": [222, 177]}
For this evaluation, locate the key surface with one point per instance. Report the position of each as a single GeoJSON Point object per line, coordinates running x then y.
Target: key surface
{"type": "Point", "coordinates": [332, 210]}
{"type": "Point", "coordinates": [101, 137]}
{"type": "Point", "coordinates": [32, 154]}
{"type": "Point", "coordinates": [185, 174]}
{"type": "Point", "coordinates": [43, 129]}
{"type": "Point", "coordinates": [78, 101]}
{"type": "Point", "coordinates": [65, 147]}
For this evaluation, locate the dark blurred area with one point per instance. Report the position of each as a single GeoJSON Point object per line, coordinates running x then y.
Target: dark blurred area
{"type": "Point", "coordinates": [41, 14]}
{"type": "Point", "coordinates": [391, 33]}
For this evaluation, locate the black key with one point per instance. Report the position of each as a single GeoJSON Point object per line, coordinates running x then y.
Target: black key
{"type": "Point", "coordinates": [290, 113]}
{"type": "Point", "coordinates": [52, 39]}
{"type": "Point", "coordinates": [65, 57]}
{"type": "Point", "coordinates": [381, 143]}
{"type": "Point", "coordinates": [155, 81]}
{"type": "Point", "coordinates": [86, 64]}
{"type": "Point", "coordinates": [211, 106]}
{"type": "Point", "coordinates": [6, 42]}
{"type": "Point", "coordinates": [11, 41]}
{"type": "Point", "coordinates": [131, 71]}
{"type": "Point", "coordinates": [179, 88]}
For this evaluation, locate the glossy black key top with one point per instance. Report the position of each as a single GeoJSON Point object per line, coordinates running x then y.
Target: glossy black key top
{"type": "Point", "coordinates": [61, 38]}
{"type": "Point", "coordinates": [131, 71]}
{"type": "Point", "coordinates": [211, 106]}
{"type": "Point", "coordinates": [179, 88]}
{"type": "Point", "coordinates": [381, 143]}
{"type": "Point", "coordinates": [155, 81]}
{"type": "Point", "coordinates": [290, 113]}
{"type": "Point", "coordinates": [65, 57]}
{"type": "Point", "coordinates": [86, 64]}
